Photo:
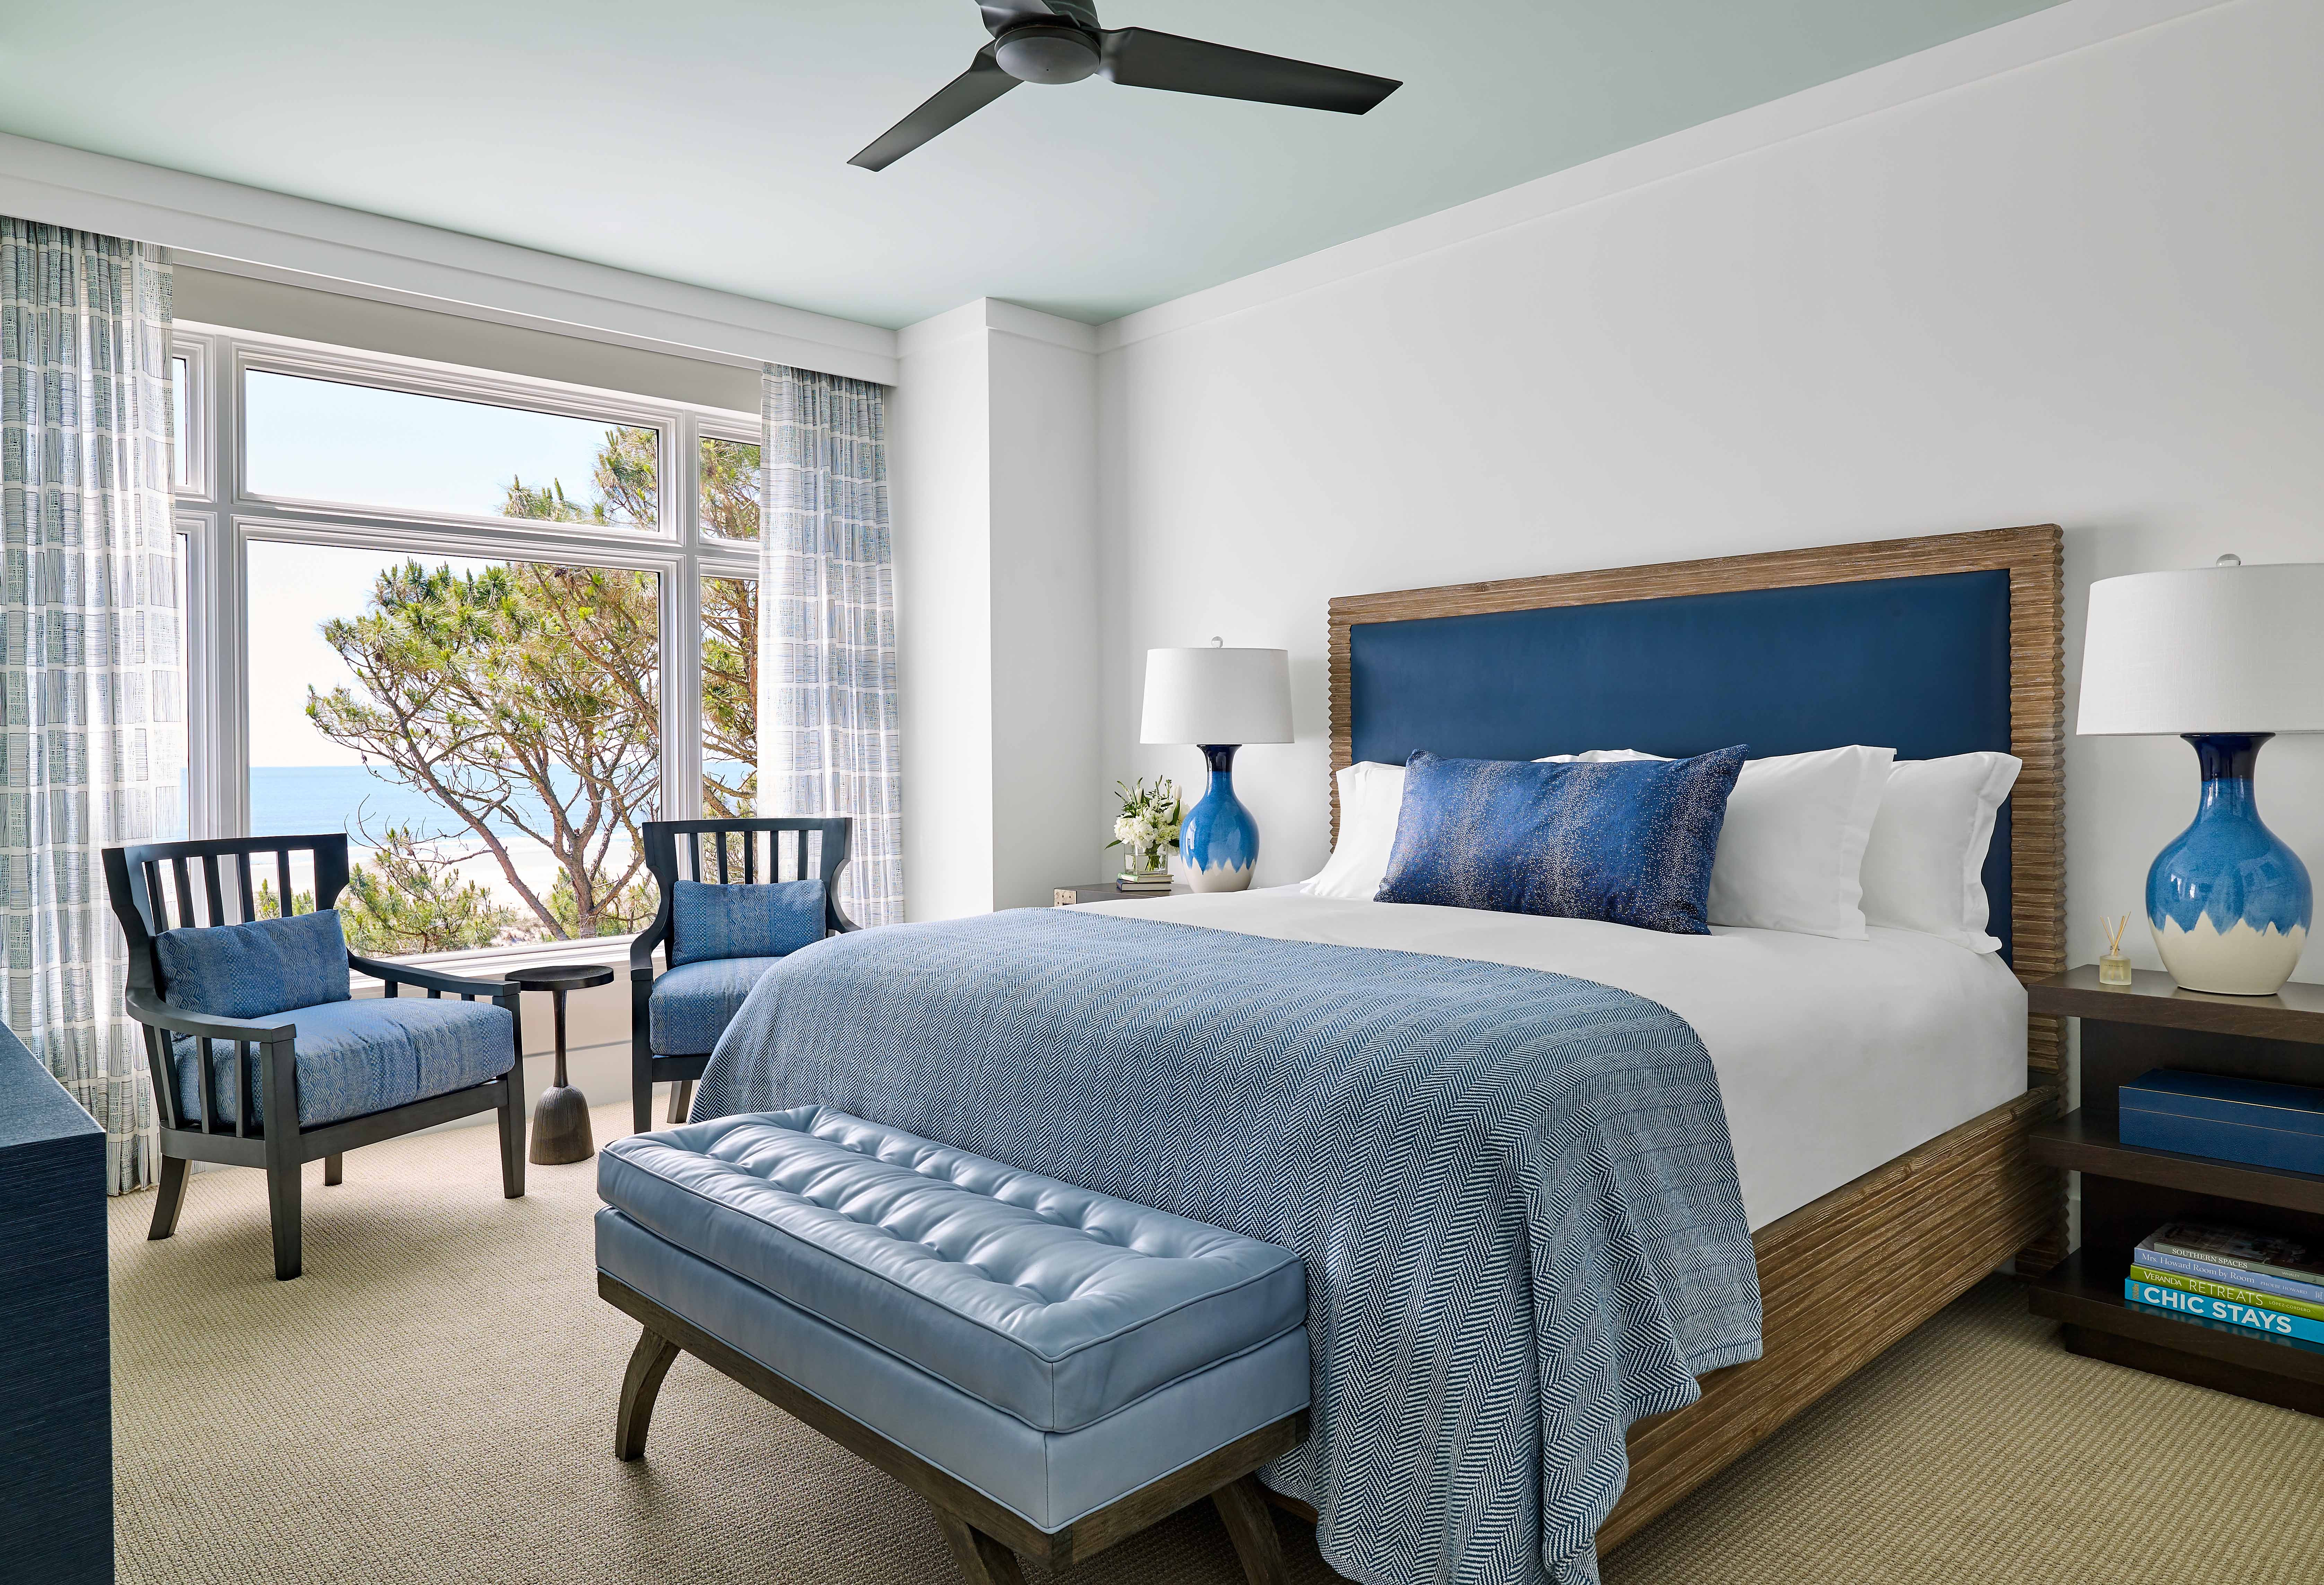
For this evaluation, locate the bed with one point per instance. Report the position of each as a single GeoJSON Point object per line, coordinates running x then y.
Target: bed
{"type": "Point", "coordinates": [1935, 645]}
{"type": "Point", "coordinates": [1531, 1232]}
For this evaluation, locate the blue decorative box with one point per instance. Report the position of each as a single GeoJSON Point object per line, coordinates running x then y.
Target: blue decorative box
{"type": "Point", "coordinates": [2256, 1123]}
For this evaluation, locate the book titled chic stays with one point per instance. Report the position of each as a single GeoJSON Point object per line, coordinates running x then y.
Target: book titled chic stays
{"type": "Point", "coordinates": [2228, 1312]}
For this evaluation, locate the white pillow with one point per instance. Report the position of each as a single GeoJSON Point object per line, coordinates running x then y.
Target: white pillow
{"type": "Point", "coordinates": [1371, 795]}
{"type": "Point", "coordinates": [1792, 849]}
{"type": "Point", "coordinates": [1924, 868]}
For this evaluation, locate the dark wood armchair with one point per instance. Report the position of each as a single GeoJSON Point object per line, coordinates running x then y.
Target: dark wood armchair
{"type": "Point", "coordinates": [720, 851]}
{"type": "Point", "coordinates": [214, 882]}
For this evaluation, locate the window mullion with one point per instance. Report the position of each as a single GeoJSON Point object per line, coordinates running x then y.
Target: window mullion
{"type": "Point", "coordinates": [681, 647]}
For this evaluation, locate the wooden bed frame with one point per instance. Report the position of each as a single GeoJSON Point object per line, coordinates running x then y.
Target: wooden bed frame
{"type": "Point", "coordinates": [1938, 1219]}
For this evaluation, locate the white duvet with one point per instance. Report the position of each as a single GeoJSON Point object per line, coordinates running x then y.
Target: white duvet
{"type": "Point", "coordinates": [1833, 1056]}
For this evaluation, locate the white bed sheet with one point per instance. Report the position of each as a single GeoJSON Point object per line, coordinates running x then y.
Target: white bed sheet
{"type": "Point", "coordinates": [1833, 1056]}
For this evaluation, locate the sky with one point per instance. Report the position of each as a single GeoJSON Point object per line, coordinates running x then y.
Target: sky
{"type": "Point", "coordinates": [318, 441]}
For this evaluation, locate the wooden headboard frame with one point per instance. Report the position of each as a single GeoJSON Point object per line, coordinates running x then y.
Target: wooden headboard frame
{"type": "Point", "coordinates": [2033, 558]}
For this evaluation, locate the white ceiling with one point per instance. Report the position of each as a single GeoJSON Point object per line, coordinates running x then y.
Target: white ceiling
{"type": "Point", "coordinates": [706, 143]}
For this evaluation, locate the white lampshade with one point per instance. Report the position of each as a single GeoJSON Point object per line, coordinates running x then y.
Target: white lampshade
{"type": "Point", "coordinates": [1217, 695]}
{"type": "Point", "coordinates": [2213, 650]}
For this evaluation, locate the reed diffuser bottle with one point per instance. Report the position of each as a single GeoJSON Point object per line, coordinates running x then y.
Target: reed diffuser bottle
{"type": "Point", "coordinates": [2114, 969]}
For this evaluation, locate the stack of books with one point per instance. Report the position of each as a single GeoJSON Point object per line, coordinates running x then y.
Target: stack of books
{"type": "Point", "coordinates": [2257, 1281]}
{"type": "Point", "coordinates": [1129, 880]}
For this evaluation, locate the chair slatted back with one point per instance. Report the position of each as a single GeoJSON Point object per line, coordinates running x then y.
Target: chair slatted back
{"type": "Point", "coordinates": [159, 886]}
{"type": "Point", "coordinates": [726, 852]}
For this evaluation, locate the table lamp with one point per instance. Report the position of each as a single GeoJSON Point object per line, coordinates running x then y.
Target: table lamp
{"type": "Point", "coordinates": [2225, 656]}
{"type": "Point", "coordinates": [1218, 699]}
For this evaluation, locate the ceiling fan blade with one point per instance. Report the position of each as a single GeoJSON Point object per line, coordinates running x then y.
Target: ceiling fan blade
{"type": "Point", "coordinates": [1141, 57]}
{"type": "Point", "coordinates": [950, 105]}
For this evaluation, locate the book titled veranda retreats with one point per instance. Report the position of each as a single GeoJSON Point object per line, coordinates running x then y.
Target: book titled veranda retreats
{"type": "Point", "coordinates": [2234, 1292]}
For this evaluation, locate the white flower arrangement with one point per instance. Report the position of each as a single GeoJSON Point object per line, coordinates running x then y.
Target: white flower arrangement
{"type": "Point", "coordinates": [1148, 823]}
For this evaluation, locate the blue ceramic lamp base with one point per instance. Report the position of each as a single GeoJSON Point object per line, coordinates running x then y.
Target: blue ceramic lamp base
{"type": "Point", "coordinates": [1218, 840]}
{"type": "Point", "coordinates": [2228, 902]}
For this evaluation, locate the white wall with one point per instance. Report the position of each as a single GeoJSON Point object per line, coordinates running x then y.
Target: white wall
{"type": "Point", "coordinates": [1044, 612]}
{"type": "Point", "coordinates": [2044, 275]}
{"type": "Point", "coordinates": [995, 501]}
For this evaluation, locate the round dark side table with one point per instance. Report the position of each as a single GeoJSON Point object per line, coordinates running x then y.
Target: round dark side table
{"type": "Point", "coordinates": [560, 1119]}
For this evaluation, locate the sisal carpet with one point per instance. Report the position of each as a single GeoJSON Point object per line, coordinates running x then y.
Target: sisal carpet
{"type": "Point", "coordinates": [433, 1401]}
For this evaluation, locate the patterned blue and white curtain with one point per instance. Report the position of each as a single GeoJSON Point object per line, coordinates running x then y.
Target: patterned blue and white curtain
{"type": "Point", "coordinates": [92, 687]}
{"type": "Point", "coordinates": [827, 735]}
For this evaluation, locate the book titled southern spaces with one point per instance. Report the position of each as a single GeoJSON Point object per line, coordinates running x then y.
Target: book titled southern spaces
{"type": "Point", "coordinates": [2270, 1284]}
{"type": "Point", "coordinates": [2263, 1262]}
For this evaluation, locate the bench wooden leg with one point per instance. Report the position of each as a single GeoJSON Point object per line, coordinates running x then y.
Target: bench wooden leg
{"type": "Point", "coordinates": [681, 1098]}
{"type": "Point", "coordinates": [170, 1198]}
{"type": "Point", "coordinates": [650, 1361]}
{"type": "Point", "coordinates": [334, 1168]}
{"type": "Point", "coordinates": [982, 1561]}
{"type": "Point", "coordinates": [1251, 1528]}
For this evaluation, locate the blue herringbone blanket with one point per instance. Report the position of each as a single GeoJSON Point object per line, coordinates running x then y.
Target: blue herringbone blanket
{"type": "Point", "coordinates": [1515, 1191]}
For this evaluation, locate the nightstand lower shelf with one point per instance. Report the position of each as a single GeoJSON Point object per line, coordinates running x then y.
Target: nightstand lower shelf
{"type": "Point", "coordinates": [2086, 1294]}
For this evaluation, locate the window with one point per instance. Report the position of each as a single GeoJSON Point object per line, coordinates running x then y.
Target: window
{"type": "Point", "coordinates": [468, 619]}
{"type": "Point", "coordinates": [487, 732]}
{"type": "Point", "coordinates": [730, 488]}
{"type": "Point", "coordinates": [730, 696]}
{"type": "Point", "coordinates": [331, 441]}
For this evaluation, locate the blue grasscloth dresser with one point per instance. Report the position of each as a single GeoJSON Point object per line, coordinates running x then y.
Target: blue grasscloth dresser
{"type": "Point", "coordinates": [55, 1357]}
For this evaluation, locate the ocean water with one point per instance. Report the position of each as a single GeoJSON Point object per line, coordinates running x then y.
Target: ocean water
{"type": "Point", "coordinates": [293, 800]}
{"type": "Point", "coordinates": [296, 800]}
{"type": "Point", "coordinates": [289, 800]}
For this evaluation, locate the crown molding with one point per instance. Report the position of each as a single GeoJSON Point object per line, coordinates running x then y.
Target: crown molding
{"type": "Point", "coordinates": [273, 236]}
{"type": "Point", "coordinates": [986, 314]}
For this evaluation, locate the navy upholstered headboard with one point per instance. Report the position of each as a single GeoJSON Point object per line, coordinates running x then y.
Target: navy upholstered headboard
{"type": "Point", "coordinates": [1937, 646]}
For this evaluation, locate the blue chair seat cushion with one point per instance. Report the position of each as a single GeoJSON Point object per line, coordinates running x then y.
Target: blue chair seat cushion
{"type": "Point", "coordinates": [691, 1005]}
{"type": "Point", "coordinates": [361, 1056]}
{"type": "Point", "coordinates": [744, 919]}
{"type": "Point", "coordinates": [1054, 1305]}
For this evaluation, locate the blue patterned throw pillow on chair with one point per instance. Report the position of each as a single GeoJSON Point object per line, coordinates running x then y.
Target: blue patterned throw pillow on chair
{"type": "Point", "coordinates": [768, 919]}
{"type": "Point", "coordinates": [250, 971]}
{"type": "Point", "coordinates": [1628, 842]}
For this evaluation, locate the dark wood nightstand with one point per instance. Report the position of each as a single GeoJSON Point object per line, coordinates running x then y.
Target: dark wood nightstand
{"type": "Point", "coordinates": [2128, 1191]}
{"type": "Point", "coordinates": [1102, 891]}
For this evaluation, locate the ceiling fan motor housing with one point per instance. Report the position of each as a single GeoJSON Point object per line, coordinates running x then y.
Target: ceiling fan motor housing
{"type": "Point", "coordinates": [1041, 53]}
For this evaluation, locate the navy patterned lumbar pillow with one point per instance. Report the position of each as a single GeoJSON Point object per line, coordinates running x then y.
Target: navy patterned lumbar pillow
{"type": "Point", "coordinates": [249, 971]}
{"type": "Point", "coordinates": [765, 919]}
{"type": "Point", "coordinates": [1629, 843]}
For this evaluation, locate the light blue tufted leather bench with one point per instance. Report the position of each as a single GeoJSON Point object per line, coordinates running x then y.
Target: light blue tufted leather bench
{"type": "Point", "coordinates": [1053, 1368]}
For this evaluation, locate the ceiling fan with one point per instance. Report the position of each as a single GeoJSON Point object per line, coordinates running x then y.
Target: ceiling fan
{"type": "Point", "coordinates": [1060, 41]}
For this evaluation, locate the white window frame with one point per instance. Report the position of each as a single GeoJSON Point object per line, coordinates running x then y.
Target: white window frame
{"type": "Point", "coordinates": [192, 426]}
{"type": "Point", "coordinates": [221, 520]}
{"type": "Point", "coordinates": [747, 435]}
